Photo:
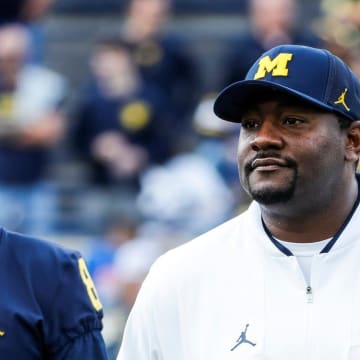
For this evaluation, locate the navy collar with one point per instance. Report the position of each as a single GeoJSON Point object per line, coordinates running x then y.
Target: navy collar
{"type": "Point", "coordinates": [331, 243]}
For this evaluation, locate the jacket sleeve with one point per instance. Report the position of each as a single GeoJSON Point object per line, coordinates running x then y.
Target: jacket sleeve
{"type": "Point", "coordinates": [73, 312]}
{"type": "Point", "coordinates": [89, 346]}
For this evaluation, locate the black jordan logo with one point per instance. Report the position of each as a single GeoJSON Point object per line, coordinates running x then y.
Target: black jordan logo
{"type": "Point", "coordinates": [242, 339]}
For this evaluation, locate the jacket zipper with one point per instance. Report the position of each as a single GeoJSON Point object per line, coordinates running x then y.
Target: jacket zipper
{"type": "Point", "coordinates": [309, 295]}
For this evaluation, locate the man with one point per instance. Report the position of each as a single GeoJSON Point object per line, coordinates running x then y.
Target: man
{"type": "Point", "coordinates": [164, 60]}
{"type": "Point", "coordinates": [49, 308]}
{"type": "Point", "coordinates": [30, 14]}
{"type": "Point", "coordinates": [270, 23]}
{"type": "Point", "coordinates": [286, 271]}
{"type": "Point", "coordinates": [32, 124]}
{"type": "Point", "coordinates": [121, 120]}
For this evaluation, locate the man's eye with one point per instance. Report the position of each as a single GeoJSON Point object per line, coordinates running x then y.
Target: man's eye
{"type": "Point", "coordinates": [249, 124]}
{"type": "Point", "coordinates": [293, 121]}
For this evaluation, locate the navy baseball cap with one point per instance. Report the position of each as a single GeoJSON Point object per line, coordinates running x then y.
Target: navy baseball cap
{"type": "Point", "coordinates": [314, 76]}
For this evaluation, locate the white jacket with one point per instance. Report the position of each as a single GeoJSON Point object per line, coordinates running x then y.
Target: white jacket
{"type": "Point", "coordinates": [232, 294]}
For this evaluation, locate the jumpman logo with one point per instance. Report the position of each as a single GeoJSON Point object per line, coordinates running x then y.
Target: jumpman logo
{"type": "Point", "coordinates": [242, 339]}
{"type": "Point", "coordinates": [341, 100]}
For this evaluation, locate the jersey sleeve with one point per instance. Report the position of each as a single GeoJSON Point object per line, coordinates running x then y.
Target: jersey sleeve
{"type": "Point", "coordinates": [89, 345]}
{"type": "Point", "coordinates": [73, 316]}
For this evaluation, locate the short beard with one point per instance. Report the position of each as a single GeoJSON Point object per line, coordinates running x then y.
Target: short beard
{"type": "Point", "coordinates": [272, 195]}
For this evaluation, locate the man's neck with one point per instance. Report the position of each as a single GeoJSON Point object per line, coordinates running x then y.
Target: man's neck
{"type": "Point", "coordinates": [313, 224]}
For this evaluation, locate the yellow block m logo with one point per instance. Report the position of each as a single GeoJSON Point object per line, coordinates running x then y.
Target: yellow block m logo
{"type": "Point", "coordinates": [277, 66]}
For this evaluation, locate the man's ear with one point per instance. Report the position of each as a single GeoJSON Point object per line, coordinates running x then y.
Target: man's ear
{"type": "Point", "coordinates": [352, 151]}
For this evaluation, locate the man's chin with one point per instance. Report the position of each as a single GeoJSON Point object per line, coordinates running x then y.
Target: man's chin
{"type": "Point", "coordinates": [272, 196]}
{"type": "Point", "coordinates": [273, 189]}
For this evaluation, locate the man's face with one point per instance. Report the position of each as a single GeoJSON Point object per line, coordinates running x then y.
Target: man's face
{"type": "Point", "coordinates": [273, 16]}
{"type": "Point", "coordinates": [289, 152]}
{"type": "Point", "coordinates": [151, 13]}
{"type": "Point", "coordinates": [13, 49]}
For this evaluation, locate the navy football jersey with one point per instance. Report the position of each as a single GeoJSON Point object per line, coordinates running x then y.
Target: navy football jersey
{"type": "Point", "coordinates": [49, 308]}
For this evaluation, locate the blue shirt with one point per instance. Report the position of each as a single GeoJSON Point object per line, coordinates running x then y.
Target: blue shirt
{"type": "Point", "coordinates": [143, 119]}
{"type": "Point", "coordinates": [48, 305]}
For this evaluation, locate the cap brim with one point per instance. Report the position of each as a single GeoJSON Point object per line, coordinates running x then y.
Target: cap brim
{"type": "Point", "coordinates": [235, 99]}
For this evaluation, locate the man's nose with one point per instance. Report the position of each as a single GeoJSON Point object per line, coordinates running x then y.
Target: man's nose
{"type": "Point", "coordinates": [267, 137]}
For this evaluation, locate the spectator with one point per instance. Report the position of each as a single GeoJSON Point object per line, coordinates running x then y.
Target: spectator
{"type": "Point", "coordinates": [271, 23]}
{"type": "Point", "coordinates": [121, 124]}
{"type": "Point", "coordinates": [29, 13]}
{"type": "Point", "coordinates": [31, 123]}
{"type": "Point", "coordinates": [164, 60]}
{"type": "Point", "coordinates": [340, 28]}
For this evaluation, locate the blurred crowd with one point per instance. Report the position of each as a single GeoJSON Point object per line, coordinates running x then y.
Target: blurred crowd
{"type": "Point", "coordinates": [154, 167]}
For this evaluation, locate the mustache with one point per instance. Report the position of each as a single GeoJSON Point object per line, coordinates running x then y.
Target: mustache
{"type": "Point", "coordinates": [288, 162]}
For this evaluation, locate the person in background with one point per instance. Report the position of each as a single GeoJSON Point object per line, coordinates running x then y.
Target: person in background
{"type": "Point", "coordinates": [30, 14]}
{"type": "Point", "coordinates": [121, 125]}
{"type": "Point", "coordinates": [163, 59]}
{"type": "Point", "coordinates": [340, 28]}
{"type": "Point", "coordinates": [270, 23]}
{"type": "Point", "coordinates": [31, 124]}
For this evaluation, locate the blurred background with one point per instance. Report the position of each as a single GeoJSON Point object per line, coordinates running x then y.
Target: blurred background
{"type": "Point", "coordinates": [108, 143]}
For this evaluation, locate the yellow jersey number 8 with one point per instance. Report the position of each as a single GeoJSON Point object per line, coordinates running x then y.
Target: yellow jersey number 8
{"type": "Point", "coordinates": [89, 284]}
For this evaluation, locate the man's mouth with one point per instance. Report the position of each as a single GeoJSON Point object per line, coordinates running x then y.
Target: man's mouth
{"type": "Point", "coordinates": [268, 164]}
